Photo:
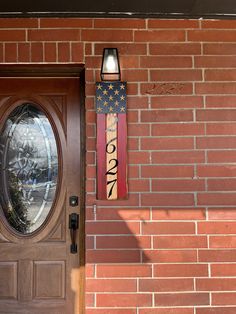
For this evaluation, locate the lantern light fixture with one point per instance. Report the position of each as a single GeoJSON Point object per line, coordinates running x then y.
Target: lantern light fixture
{"type": "Point", "coordinates": [110, 69]}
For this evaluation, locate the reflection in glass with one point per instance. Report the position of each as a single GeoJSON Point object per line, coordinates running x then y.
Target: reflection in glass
{"type": "Point", "coordinates": [28, 168]}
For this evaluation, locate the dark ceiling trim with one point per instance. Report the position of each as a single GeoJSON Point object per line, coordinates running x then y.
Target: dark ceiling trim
{"type": "Point", "coordinates": [141, 15]}
{"type": "Point", "coordinates": [195, 9]}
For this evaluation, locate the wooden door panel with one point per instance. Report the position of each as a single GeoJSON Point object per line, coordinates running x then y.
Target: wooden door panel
{"type": "Point", "coordinates": [36, 269]}
{"type": "Point", "coordinates": [49, 279]}
{"type": "Point", "coordinates": [8, 280]}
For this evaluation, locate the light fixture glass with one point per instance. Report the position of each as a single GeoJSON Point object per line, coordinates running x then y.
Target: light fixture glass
{"type": "Point", "coordinates": [110, 69]}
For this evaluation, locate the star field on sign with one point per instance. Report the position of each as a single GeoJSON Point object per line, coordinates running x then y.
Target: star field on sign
{"type": "Point", "coordinates": [111, 97]}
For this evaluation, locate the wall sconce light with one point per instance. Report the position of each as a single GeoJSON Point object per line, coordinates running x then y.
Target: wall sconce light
{"type": "Point", "coordinates": [110, 69]}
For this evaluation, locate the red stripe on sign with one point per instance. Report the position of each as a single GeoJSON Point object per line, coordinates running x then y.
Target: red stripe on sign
{"type": "Point", "coordinates": [122, 156]}
{"type": "Point", "coordinates": [101, 156]}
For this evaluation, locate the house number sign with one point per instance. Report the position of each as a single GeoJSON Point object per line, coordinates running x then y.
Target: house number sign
{"type": "Point", "coordinates": [111, 140]}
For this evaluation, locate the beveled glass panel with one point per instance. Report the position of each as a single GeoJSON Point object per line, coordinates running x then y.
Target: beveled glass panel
{"type": "Point", "coordinates": [28, 168]}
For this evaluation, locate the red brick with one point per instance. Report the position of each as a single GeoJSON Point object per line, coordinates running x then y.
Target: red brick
{"type": "Point", "coordinates": [66, 23]}
{"type": "Point", "coordinates": [129, 62]}
{"type": "Point", "coordinates": [166, 143]}
{"type": "Point", "coordinates": [137, 102]}
{"type": "Point", "coordinates": [181, 270]}
{"type": "Point", "coordinates": [175, 49]}
{"type": "Point", "coordinates": [12, 35]}
{"type": "Point", "coordinates": [98, 228]}
{"type": "Point", "coordinates": [111, 311]}
{"type": "Point", "coordinates": [132, 89]}
{"type": "Point", "coordinates": [159, 36]}
{"type": "Point", "coordinates": [219, 49]}
{"type": "Point", "coordinates": [18, 23]}
{"type": "Point", "coordinates": [216, 115]}
{"type": "Point", "coordinates": [120, 271]}
{"type": "Point", "coordinates": [166, 116]}
{"type": "Point", "coordinates": [166, 88]}
{"type": "Point", "coordinates": [177, 129]}
{"type": "Point", "coordinates": [139, 158]}
{"type": "Point", "coordinates": [166, 311]}
{"type": "Point", "coordinates": [119, 23]}
{"type": "Point", "coordinates": [180, 242]}
{"type": "Point", "coordinates": [221, 156]}
{"type": "Point", "coordinates": [50, 52]}
{"type": "Point", "coordinates": [183, 299]}
{"type": "Point", "coordinates": [176, 75]}
{"type": "Point", "coordinates": [211, 35]}
{"type": "Point", "coordinates": [133, 116]}
{"type": "Point", "coordinates": [23, 52]}
{"type": "Point", "coordinates": [90, 271]}
{"type": "Point", "coordinates": [217, 255]}
{"type": "Point", "coordinates": [216, 199]}
{"type": "Point", "coordinates": [111, 285]}
{"type": "Point", "coordinates": [221, 184]}
{"type": "Point", "coordinates": [216, 171]}
{"type": "Point", "coordinates": [139, 130]}
{"type": "Point", "coordinates": [63, 52]}
{"type": "Point", "coordinates": [77, 52]}
{"type": "Point", "coordinates": [181, 157]}
{"type": "Point", "coordinates": [221, 129]}
{"type": "Point", "coordinates": [124, 213]}
{"type": "Point", "coordinates": [177, 185]}
{"type": "Point", "coordinates": [216, 310]}
{"type": "Point", "coordinates": [216, 227]}
{"type": "Point", "coordinates": [133, 171]}
{"type": "Point", "coordinates": [224, 298]}
{"type": "Point", "coordinates": [54, 35]}
{"type": "Point", "coordinates": [10, 52]}
{"type": "Point", "coordinates": [157, 23]}
{"type": "Point", "coordinates": [222, 213]}
{"type": "Point", "coordinates": [1, 52]}
{"type": "Point", "coordinates": [223, 242]}
{"type": "Point", "coordinates": [37, 52]}
{"type": "Point", "coordinates": [124, 48]}
{"type": "Point", "coordinates": [213, 284]}
{"type": "Point", "coordinates": [139, 185]}
{"type": "Point", "coordinates": [221, 101]}
{"type": "Point", "coordinates": [167, 199]}
{"type": "Point", "coordinates": [113, 256]}
{"type": "Point", "coordinates": [89, 299]}
{"type": "Point", "coordinates": [180, 214]}
{"type": "Point", "coordinates": [168, 228]}
{"type": "Point", "coordinates": [215, 62]}
{"type": "Point", "coordinates": [167, 171]}
{"type": "Point", "coordinates": [225, 24]}
{"type": "Point", "coordinates": [107, 35]}
{"type": "Point", "coordinates": [215, 88]}
{"type": "Point", "coordinates": [89, 243]}
{"type": "Point", "coordinates": [220, 75]}
{"type": "Point", "coordinates": [135, 76]}
{"type": "Point", "coordinates": [124, 300]}
{"type": "Point", "coordinates": [123, 242]}
{"type": "Point", "coordinates": [163, 102]}
{"type": "Point", "coordinates": [170, 256]}
{"type": "Point", "coordinates": [165, 62]}
{"type": "Point", "coordinates": [164, 285]}
{"type": "Point", "coordinates": [216, 142]}
{"type": "Point", "coordinates": [223, 270]}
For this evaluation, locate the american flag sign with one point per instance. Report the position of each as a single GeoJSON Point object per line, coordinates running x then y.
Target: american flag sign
{"type": "Point", "coordinates": [111, 106]}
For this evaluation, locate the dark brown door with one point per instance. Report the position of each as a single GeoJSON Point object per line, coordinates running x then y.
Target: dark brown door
{"type": "Point", "coordinates": [40, 170]}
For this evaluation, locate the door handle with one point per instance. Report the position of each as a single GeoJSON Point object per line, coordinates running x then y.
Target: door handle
{"type": "Point", "coordinates": [73, 226]}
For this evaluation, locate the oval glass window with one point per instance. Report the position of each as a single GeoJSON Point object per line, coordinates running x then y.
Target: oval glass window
{"type": "Point", "coordinates": [28, 168]}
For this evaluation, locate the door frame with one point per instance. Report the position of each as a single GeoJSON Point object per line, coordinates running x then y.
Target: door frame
{"type": "Point", "coordinates": [63, 71]}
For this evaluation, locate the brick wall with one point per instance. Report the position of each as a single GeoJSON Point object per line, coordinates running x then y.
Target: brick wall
{"type": "Point", "coordinates": [169, 248]}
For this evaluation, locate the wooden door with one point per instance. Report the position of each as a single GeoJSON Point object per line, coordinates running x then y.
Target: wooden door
{"type": "Point", "coordinates": [41, 167]}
